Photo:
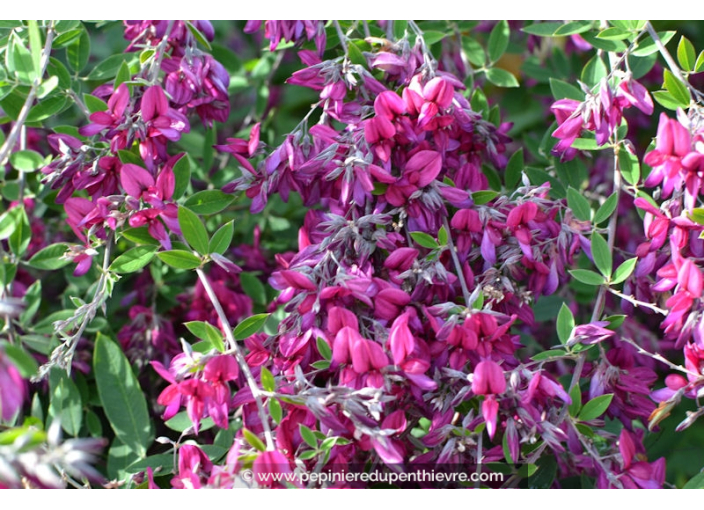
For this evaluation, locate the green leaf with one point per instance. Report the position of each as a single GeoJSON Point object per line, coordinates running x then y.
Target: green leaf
{"type": "Point", "coordinates": [65, 402]}
{"type": "Point", "coordinates": [130, 157]}
{"type": "Point", "coordinates": [514, 169]}
{"type": "Point", "coordinates": [122, 398]}
{"type": "Point", "coordinates": [606, 209]}
{"type": "Point", "coordinates": [139, 235]}
{"type": "Point", "coordinates": [576, 405]}
{"type": "Point", "coordinates": [26, 161]}
{"type": "Point", "coordinates": [250, 326]}
{"type": "Point", "coordinates": [22, 63]}
{"type": "Point", "coordinates": [253, 440]}
{"type": "Point", "coordinates": [120, 456]}
{"type": "Point", "coordinates": [35, 46]}
{"type": "Point", "coordinates": [207, 332]}
{"type": "Point", "coordinates": [563, 90]}
{"type": "Point", "coordinates": [25, 363]}
{"type": "Point", "coordinates": [209, 201]}
{"type": "Point", "coordinates": [604, 44]}
{"type": "Point", "coordinates": [320, 365]}
{"type": "Point", "coordinates": [676, 88]}
{"type": "Point", "coordinates": [253, 287]}
{"type": "Point", "coordinates": [182, 174]}
{"type": "Point", "coordinates": [95, 104]}
{"type": "Point", "coordinates": [400, 27]}
{"type": "Point", "coordinates": [208, 150]}
{"type": "Point", "coordinates": [542, 29]}
{"type": "Point", "coordinates": [78, 52]}
{"type": "Point", "coordinates": [648, 46]}
{"type": "Point", "coordinates": [686, 54]}
{"type": "Point", "coordinates": [47, 87]}
{"type": "Point", "coordinates": [198, 35]}
{"type": "Point", "coordinates": [180, 259]}
{"type": "Point", "coordinates": [539, 176]}
{"type": "Point", "coordinates": [699, 66]}
{"type": "Point", "coordinates": [50, 258]}
{"type": "Point", "coordinates": [8, 222]}
{"type": "Point", "coordinates": [474, 51]}
{"type": "Point", "coordinates": [12, 102]}
{"type": "Point", "coordinates": [624, 270]}
{"type": "Point", "coordinates": [19, 239]}
{"type": "Point", "coordinates": [667, 100]}
{"type": "Point", "coordinates": [165, 461]}
{"type": "Point", "coordinates": [355, 55]}
{"type": "Point", "coordinates": [602, 254]}
{"type": "Point", "coordinates": [579, 205]}
{"type": "Point", "coordinates": [46, 108]}
{"type": "Point", "coordinates": [308, 436]}
{"type": "Point", "coordinates": [134, 259]}
{"type": "Point", "coordinates": [573, 27]}
{"type": "Point", "coordinates": [498, 41]}
{"type": "Point", "coordinates": [274, 407]}
{"type": "Point", "coordinates": [640, 66]}
{"type": "Point", "coordinates": [32, 299]}
{"type": "Point", "coordinates": [483, 197]}
{"type": "Point", "coordinates": [66, 38]}
{"type": "Point", "coordinates": [630, 167]}
{"type": "Point", "coordinates": [424, 240]}
{"type": "Point", "coordinates": [613, 33]}
{"type": "Point", "coordinates": [501, 77]}
{"type": "Point", "coordinates": [181, 422]}
{"type": "Point", "coordinates": [308, 454]}
{"type": "Point", "coordinates": [193, 230]}
{"type": "Point", "coordinates": [587, 276]}
{"type": "Point", "coordinates": [222, 238]}
{"type": "Point", "coordinates": [324, 348]}
{"type": "Point", "coordinates": [565, 324]}
{"type": "Point", "coordinates": [123, 75]}
{"type": "Point", "coordinates": [595, 407]}
{"type": "Point", "coordinates": [66, 25]}
{"type": "Point", "coordinates": [442, 236]}
{"type": "Point", "coordinates": [696, 482]}
{"type": "Point", "coordinates": [95, 427]}
{"type": "Point", "coordinates": [268, 381]}
{"type": "Point", "coordinates": [107, 69]}
{"type": "Point", "coordinates": [544, 477]}
{"type": "Point", "coordinates": [433, 36]}
{"type": "Point", "coordinates": [615, 321]}
{"type": "Point", "coordinates": [554, 353]}
{"type": "Point", "coordinates": [594, 71]}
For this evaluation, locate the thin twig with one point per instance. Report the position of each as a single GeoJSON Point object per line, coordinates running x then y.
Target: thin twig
{"type": "Point", "coordinates": [636, 302]}
{"type": "Point", "coordinates": [341, 35]}
{"type": "Point", "coordinates": [659, 358]}
{"type": "Point", "coordinates": [159, 53]}
{"type": "Point", "coordinates": [239, 356]}
{"type": "Point", "coordinates": [456, 261]}
{"type": "Point", "coordinates": [595, 455]}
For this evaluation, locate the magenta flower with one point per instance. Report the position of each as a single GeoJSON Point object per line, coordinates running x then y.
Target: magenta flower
{"type": "Point", "coordinates": [488, 379]}
{"type": "Point", "coordinates": [636, 94]}
{"type": "Point", "coordinates": [271, 468]}
{"type": "Point", "coordinates": [673, 143]}
{"type": "Point", "coordinates": [13, 389]}
{"type": "Point", "coordinates": [139, 184]}
{"type": "Point", "coordinates": [113, 117]}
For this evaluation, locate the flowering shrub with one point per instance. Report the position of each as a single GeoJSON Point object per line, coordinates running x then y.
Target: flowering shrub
{"type": "Point", "coordinates": [242, 254]}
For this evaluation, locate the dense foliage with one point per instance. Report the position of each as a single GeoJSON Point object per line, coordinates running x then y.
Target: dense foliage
{"type": "Point", "coordinates": [234, 252]}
